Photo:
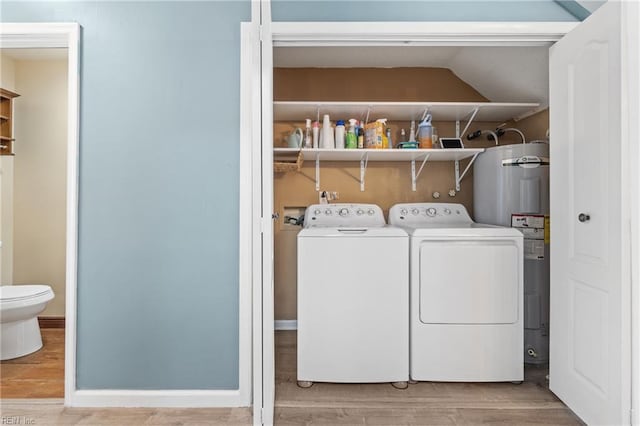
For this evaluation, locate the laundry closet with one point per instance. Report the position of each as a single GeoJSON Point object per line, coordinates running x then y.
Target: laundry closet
{"type": "Point", "coordinates": [564, 92]}
{"type": "Point", "coordinates": [465, 89]}
{"type": "Point", "coordinates": [301, 75]}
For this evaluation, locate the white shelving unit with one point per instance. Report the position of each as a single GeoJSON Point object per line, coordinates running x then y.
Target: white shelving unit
{"type": "Point", "coordinates": [396, 155]}
{"type": "Point", "coordinates": [398, 111]}
{"type": "Point", "coordinates": [404, 111]}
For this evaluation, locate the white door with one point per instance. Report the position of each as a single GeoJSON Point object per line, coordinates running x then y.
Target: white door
{"type": "Point", "coordinates": [590, 322]}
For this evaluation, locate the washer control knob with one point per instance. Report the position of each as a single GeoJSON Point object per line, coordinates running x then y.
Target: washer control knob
{"type": "Point", "coordinates": [317, 212]}
{"type": "Point", "coordinates": [447, 211]}
{"type": "Point", "coordinates": [370, 212]}
{"type": "Point", "coordinates": [403, 212]}
{"type": "Point", "coordinates": [360, 212]}
{"type": "Point", "coordinates": [328, 212]}
{"type": "Point", "coordinates": [343, 212]}
{"type": "Point", "coordinates": [415, 212]}
{"type": "Point", "coordinates": [431, 212]}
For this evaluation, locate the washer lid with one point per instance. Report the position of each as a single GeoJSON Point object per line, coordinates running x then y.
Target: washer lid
{"type": "Point", "coordinates": [10, 293]}
{"type": "Point", "coordinates": [349, 231]}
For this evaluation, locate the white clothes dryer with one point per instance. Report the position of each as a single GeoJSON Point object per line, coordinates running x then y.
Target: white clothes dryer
{"type": "Point", "coordinates": [353, 297]}
{"type": "Point", "coordinates": [466, 295]}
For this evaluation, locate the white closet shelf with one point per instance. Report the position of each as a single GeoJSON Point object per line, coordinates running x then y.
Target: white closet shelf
{"type": "Point", "coordinates": [311, 154]}
{"type": "Point", "coordinates": [401, 111]}
{"type": "Point", "coordinates": [397, 155]}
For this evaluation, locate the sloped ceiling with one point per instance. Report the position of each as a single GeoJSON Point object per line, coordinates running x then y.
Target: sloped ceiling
{"type": "Point", "coordinates": [501, 74]}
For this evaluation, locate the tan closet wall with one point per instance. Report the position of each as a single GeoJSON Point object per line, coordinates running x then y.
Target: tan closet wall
{"type": "Point", "coordinates": [386, 183]}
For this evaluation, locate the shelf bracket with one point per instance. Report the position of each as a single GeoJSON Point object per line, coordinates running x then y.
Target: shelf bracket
{"type": "Point", "coordinates": [473, 116]}
{"type": "Point", "coordinates": [364, 161]}
{"type": "Point", "coordinates": [459, 176]}
{"type": "Point", "coordinates": [317, 172]}
{"type": "Point", "coordinates": [366, 120]}
{"type": "Point", "coordinates": [414, 175]}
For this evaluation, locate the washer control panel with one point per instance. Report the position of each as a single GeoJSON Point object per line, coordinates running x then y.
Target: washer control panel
{"type": "Point", "coordinates": [347, 215]}
{"type": "Point", "coordinates": [413, 214]}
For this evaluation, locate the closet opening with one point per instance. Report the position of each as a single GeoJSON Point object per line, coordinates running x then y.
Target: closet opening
{"type": "Point", "coordinates": [473, 95]}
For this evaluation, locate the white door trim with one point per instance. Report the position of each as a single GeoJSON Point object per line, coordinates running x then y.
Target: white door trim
{"type": "Point", "coordinates": [434, 34]}
{"type": "Point", "coordinates": [66, 35]}
{"type": "Point", "coordinates": [267, 278]}
{"type": "Point", "coordinates": [418, 33]}
{"type": "Point", "coordinates": [630, 131]}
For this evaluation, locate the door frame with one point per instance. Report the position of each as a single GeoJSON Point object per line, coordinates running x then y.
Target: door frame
{"type": "Point", "coordinates": [323, 34]}
{"type": "Point", "coordinates": [61, 35]}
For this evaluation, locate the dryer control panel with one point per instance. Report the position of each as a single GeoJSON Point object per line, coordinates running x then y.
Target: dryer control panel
{"type": "Point", "coordinates": [414, 214]}
{"type": "Point", "coordinates": [346, 215]}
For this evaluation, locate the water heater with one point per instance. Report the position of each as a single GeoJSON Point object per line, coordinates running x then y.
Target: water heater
{"type": "Point", "coordinates": [511, 188]}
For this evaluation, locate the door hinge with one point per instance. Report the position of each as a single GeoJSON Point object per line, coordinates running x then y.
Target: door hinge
{"type": "Point", "coordinates": [266, 221]}
{"type": "Point", "coordinates": [262, 416]}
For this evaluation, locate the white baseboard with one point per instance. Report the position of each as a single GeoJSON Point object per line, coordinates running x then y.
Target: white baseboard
{"type": "Point", "coordinates": [159, 398]}
{"type": "Point", "coordinates": [286, 324]}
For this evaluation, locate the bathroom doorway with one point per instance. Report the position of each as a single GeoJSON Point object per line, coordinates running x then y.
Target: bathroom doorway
{"type": "Point", "coordinates": [33, 212]}
{"type": "Point", "coordinates": [67, 36]}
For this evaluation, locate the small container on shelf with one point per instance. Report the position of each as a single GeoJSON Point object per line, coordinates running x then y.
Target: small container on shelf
{"type": "Point", "coordinates": [425, 131]}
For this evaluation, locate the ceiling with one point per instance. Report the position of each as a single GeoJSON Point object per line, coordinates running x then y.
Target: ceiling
{"type": "Point", "coordinates": [34, 54]}
{"type": "Point", "coordinates": [501, 74]}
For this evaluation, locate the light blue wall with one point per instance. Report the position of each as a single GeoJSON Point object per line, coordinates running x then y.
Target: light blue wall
{"type": "Point", "coordinates": [158, 232]}
{"type": "Point", "coordinates": [419, 10]}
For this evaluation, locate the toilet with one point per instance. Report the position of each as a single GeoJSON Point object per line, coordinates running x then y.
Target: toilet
{"type": "Point", "coordinates": [19, 309]}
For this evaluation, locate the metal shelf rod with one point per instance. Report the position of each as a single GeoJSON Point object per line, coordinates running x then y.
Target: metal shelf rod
{"type": "Point", "coordinates": [459, 176]}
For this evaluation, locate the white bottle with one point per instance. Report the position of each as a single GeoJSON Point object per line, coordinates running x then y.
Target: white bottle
{"type": "Point", "coordinates": [412, 133]}
{"type": "Point", "coordinates": [340, 133]}
{"type": "Point", "coordinates": [327, 137]}
{"type": "Point", "coordinates": [307, 134]}
{"type": "Point", "coordinates": [316, 134]}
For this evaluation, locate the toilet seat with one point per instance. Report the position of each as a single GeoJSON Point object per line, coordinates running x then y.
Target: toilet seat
{"type": "Point", "coordinates": [10, 294]}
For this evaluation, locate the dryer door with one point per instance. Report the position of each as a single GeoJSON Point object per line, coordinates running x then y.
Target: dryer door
{"type": "Point", "coordinates": [468, 281]}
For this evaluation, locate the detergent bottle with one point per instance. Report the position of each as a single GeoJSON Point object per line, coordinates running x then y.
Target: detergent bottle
{"type": "Point", "coordinates": [352, 138]}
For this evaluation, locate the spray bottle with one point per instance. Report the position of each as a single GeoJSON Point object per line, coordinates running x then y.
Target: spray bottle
{"type": "Point", "coordinates": [425, 130]}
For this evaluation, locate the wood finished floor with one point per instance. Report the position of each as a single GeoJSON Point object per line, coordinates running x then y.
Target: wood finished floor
{"type": "Point", "coordinates": [425, 403]}
{"type": "Point", "coordinates": [37, 375]}
{"type": "Point", "coordinates": [323, 404]}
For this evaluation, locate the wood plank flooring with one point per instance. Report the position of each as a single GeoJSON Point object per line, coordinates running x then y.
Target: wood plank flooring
{"type": "Point", "coordinates": [323, 404]}
{"type": "Point", "coordinates": [52, 412]}
{"type": "Point", "coordinates": [424, 403]}
{"type": "Point", "coordinates": [37, 375]}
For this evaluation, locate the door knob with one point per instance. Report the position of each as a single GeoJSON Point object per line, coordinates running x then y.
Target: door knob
{"type": "Point", "coordinates": [582, 217]}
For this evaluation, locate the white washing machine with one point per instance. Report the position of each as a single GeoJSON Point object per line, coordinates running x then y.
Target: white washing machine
{"type": "Point", "coordinates": [353, 297]}
{"type": "Point", "coordinates": [466, 295]}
